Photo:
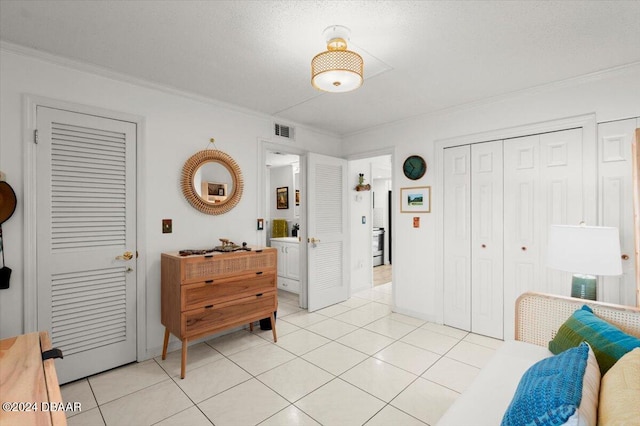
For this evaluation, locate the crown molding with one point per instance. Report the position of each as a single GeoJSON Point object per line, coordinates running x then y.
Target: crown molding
{"type": "Point", "coordinates": [568, 82]}
{"type": "Point", "coordinates": [77, 65]}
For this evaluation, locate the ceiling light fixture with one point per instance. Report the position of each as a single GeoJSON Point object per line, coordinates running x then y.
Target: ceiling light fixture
{"type": "Point", "coordinates": [338, 69]}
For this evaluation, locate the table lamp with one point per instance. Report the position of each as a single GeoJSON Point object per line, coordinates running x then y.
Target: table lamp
{"type": "Point", "coordinates": [585, 251]}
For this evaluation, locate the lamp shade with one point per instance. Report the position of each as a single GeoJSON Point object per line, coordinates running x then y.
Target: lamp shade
{"type": "Point", "coordinates": [590, 250]}
{"type": "Point", "coordinates": [337, 69]}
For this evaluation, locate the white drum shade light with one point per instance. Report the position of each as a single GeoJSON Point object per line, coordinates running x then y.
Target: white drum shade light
{"type": "Point", "coordinates": [338, 69]}
{"type": "Point", "coordinates": [585, 251]}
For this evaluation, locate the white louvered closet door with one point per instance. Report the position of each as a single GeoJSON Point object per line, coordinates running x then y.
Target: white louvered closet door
{"type": "Point", "coordinates": [86, 219]}
{"type": "Point", "coordinates": [328, 226]}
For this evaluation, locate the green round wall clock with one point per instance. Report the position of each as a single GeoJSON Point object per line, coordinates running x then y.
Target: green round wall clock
{"type": "Point", "coordinates": [414, 167]}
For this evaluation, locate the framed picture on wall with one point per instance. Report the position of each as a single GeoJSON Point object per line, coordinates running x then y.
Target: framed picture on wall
{"type": "Point", "coordinates": [282, 197]}
{"type": "Point", "coordinates": [415, 199]}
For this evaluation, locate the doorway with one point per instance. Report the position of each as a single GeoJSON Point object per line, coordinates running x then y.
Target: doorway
{"type": "Point", "coordinates": [381, 213]}
{"type": "Point", "coordinates": [322, 239]}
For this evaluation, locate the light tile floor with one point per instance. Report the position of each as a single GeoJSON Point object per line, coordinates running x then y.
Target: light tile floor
{"type": "Point", "coordinates": [354, 363]}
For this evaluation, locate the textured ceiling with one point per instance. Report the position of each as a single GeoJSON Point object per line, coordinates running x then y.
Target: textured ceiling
{"type": "Point", "coordinates": [420, 56]}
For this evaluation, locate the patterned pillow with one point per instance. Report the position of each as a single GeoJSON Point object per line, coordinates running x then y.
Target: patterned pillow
{"type": "Point", "coordinates": [550, 391]}
{"type": "Point", "coordinates": [608, 342]}
{"type": "Point", "coordinates": [620, 392]}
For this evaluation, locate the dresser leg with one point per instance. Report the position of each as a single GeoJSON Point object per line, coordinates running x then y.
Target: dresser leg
{"type": "Point", "coordinates": [166, 343]}
{"type": "Point", "coordinates": [251, 326]}
{"type": "Point", "coordinates": [183, 367]}
{"type": "Point", "coordinates": [273, 327]}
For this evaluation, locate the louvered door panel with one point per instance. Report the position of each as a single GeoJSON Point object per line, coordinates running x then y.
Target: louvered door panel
{"type": "Point", "coordinates": [88, 187]}
{"type": "Point", "coordinates": [327, 215]}
{"type": "Point", "coordinates": [86, 221]}
{"type": "Point", "coordinates": [87, 308]}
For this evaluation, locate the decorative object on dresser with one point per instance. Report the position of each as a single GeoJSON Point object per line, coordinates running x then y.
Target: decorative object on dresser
{"type": "Point", "coordinates": [205, 294]}
{"type": "Point", "coordinates": [29, 383]}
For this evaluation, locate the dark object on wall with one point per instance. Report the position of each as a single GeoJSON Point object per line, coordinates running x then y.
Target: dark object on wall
{"type": "Point", "coordinates": [5, 271]}
{"type": "Point", "coordinates": [7, 201]}
{"type": "Point", "coordinates": [414, 167]}
{"type": "Point", "coordinates": [282, 197]}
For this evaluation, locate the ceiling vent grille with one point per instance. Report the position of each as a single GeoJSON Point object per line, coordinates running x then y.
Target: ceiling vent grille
{"type": "Point", "coordinates": [283, 131]}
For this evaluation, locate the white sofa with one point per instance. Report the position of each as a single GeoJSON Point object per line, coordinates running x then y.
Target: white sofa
{"type": "Point", "coordinates": [538, 318]}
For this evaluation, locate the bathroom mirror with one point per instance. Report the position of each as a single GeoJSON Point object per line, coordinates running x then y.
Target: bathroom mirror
{"type": "Point", "coordinates": [212, 181]}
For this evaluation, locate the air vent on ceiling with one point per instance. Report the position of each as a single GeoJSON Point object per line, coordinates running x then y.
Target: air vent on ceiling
{"type": "Point", "coordinates": [284, 131]}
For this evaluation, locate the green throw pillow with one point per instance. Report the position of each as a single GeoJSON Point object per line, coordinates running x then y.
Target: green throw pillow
{"type": "Point", "coordinates": [608, 342]}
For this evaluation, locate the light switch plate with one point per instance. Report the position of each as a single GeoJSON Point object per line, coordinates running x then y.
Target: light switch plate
{"type": "Point", "coordinates": [167, 226]}
{"type": "Point", "coordinates": [416, 222]}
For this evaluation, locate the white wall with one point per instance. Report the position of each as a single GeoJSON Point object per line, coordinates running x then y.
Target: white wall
{"type": "Point", "coordinates": [176, 126]}
{"type": "Point", "coordinates": [610, 96]}
{"type": "Point", "coordinates": [361, 260]}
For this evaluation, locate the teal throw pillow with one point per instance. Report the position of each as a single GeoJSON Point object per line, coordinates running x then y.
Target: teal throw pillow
{"type": "Point", "coordinates": [608, 342]}
{"type": "Point", "coordinates": [550, 391]}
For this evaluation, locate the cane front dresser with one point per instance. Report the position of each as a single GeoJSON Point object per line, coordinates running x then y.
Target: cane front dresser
{"type": "Point", "coordinates": [205, 294]}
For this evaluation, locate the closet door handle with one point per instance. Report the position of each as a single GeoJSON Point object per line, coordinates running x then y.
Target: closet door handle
{"type": "Point", "coordinates": [524, 248]}
{"type": "Point", "coordinates": [484, 246]}
{"type": "Point", "coordinates": [625, 257]}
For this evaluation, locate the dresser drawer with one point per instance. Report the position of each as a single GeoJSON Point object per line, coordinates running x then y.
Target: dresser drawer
{"type": "Point", "coordinates": [218, 317]}
{"type": "Point", "coordinates": [207, 293]}
{"type": "Point", "coordinates": [200, 268]}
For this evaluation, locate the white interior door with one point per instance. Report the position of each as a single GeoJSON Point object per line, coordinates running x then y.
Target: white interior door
{"type": "Point", "coordinates": [86, 218]}
{"type": "Point", "coordinates": [486, 239]}
{"type": "Point", "coordinates": [327, 225]}
{"type": "Point", "coordinates": [616, 204]}
{"type": "Point", "coordinates": [457, 237]}
{"type": "Point", "coordinates": [543, 185]}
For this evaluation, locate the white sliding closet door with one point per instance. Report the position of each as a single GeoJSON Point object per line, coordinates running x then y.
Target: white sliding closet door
{"type": "Point", "coordinates": [457, 232]}
{"type": "Point", "coordinates": [616, 204]}
{"type": "Point", "coordinates": [486, 239]}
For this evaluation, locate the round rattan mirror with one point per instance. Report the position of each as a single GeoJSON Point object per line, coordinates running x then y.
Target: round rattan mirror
{"type": "Point", "coordinates": [208, 187]}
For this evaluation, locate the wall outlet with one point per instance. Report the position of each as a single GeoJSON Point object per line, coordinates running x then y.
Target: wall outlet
{"type": "Point", "coordinates": [167, 226]}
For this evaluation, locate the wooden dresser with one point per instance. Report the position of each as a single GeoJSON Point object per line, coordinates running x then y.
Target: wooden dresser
{"type": "Point", "coordinates": [205, 294]}
{"type": "Point", "coordinates": [29, 388]}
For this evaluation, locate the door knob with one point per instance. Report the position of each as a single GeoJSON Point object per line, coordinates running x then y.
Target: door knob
{"type": "Point", "coordinates": [625, 257]}
{"type": "Point", "coordinates": [484, 246]}
{"type": "Point", "coordinates": [127, 255]}
{"type": "Point", "coordinates": [313, 240]}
